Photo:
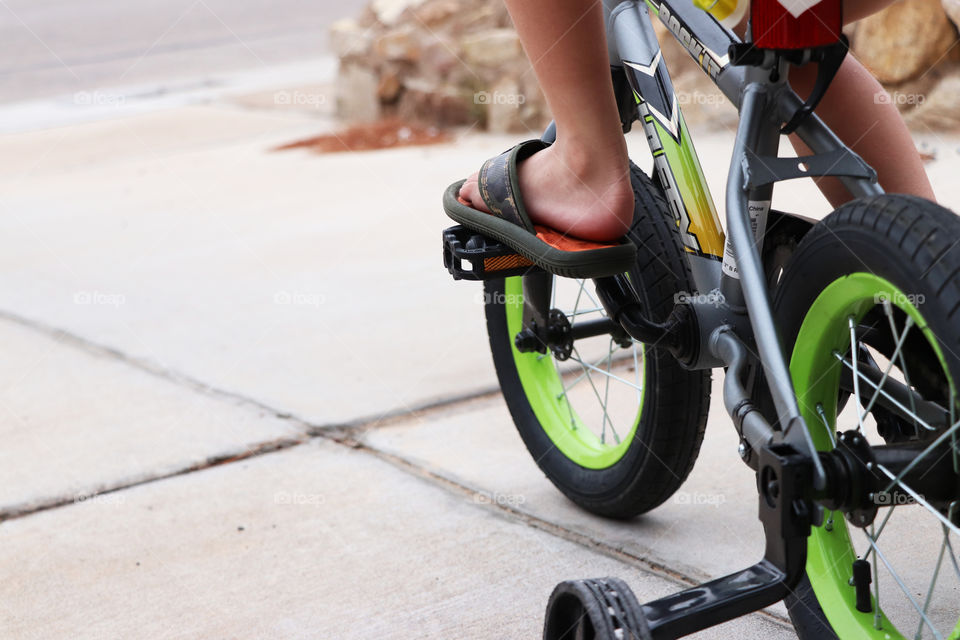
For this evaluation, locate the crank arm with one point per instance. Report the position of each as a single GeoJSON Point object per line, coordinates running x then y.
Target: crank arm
{"type": "Point", "coordinates": [537, 288]}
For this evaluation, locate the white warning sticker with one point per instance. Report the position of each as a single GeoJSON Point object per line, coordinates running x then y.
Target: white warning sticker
{"type": "Point", "coordinates": [758, 210]}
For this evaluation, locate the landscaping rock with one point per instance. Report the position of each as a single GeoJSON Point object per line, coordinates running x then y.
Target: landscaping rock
{"type": "Point", "coordinates": [938, 110]}
{"type": "Point", "coordinates": [357, 89]}
{"type": "Point", "coordinates": [491, 48]}
{"type": "Point", "coordinates": [388, 12]}
{"type": "Point", "coordinates": [348, 39]}
{"type": "Point", "coordinates": [460, 62]}
{"type": "Point", "coordinates": [952, 9]}
{"type": "Point", "coordinates": [905, 40]}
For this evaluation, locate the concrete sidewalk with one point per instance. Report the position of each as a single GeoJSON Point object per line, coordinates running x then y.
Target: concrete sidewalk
{"type": "Point", "coordinates": [242, 399]}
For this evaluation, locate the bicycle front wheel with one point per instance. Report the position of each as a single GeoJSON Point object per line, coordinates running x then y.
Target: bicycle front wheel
{"type": "Point", "coordinates": [618, 425]}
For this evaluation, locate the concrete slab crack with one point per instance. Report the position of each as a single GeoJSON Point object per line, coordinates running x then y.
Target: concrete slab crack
{"type": "Point", "coordinates": [96, 349]}
{"type": "Point", "coordinates": [506, 510]}
{"type": "Point", "coordinates": [19, 511]}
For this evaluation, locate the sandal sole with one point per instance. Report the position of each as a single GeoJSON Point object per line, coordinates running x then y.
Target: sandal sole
{"type": "Point", "coordinates": [589, 263]}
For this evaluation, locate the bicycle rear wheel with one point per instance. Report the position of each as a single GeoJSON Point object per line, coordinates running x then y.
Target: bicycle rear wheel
{"type": "Point", "coordinates": [616, 427]}
{"type": "Point", "coordinates": [868, 306]}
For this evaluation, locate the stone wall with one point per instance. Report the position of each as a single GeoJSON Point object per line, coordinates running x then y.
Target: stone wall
{"type": "Point", "coordinates": [459, 62]}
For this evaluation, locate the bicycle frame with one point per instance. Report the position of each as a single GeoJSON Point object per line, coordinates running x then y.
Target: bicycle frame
{"type": "Point", "coordinates": [732, 325]}
{"type": "Point", "coordinates": [764, 100]}
{"type": "Point", "coordinates": [726, 334]}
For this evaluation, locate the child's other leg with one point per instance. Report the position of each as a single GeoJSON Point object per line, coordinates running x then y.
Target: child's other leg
{"type": "Point", "coordinates": [870, 125]}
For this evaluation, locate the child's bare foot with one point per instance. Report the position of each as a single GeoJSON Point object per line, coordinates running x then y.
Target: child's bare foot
{"type": "Point", "coordinates": [586, 197]}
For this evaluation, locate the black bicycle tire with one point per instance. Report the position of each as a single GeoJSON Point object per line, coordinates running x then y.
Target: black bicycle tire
{"type": "Point", "coordinates": [668, 437]}
{"type": "Point", "coordinates": [908, 240]}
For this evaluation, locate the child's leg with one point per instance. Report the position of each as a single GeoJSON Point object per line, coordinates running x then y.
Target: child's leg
{"type": "Point", "coordinates": [580, 185]}
{"type": "Point", "coordinates": [853, 107]}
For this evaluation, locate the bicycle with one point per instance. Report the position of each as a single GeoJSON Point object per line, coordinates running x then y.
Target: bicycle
{"type": "Point", "coordinates": [839, 339]}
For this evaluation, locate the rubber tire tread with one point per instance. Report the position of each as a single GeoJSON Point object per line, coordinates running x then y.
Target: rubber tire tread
{"type": "Point", "coordinates": [608, 603]}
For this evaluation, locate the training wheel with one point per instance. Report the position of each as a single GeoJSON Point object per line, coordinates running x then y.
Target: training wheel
{"type": "Point", "coordinates": [594, 609]}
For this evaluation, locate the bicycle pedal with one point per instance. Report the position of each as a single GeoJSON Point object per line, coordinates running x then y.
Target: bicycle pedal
{"type": "Point", "coordinates": [469, 255]}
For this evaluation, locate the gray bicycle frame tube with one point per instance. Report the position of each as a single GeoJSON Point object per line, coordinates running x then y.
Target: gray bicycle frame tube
{"type": "Point", "coordinates": [763, 104]}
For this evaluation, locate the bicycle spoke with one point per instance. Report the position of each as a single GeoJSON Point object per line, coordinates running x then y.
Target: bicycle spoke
{"type": "Point", "coordinates": [896, 352]}
{"type": "Point", "coordinates": [584, 312]}
{"type": "Point", "coordinates": [916, 496]}
{"type": "Point", "coordinates": [586, 368]}
{"type": "Point", "coordinates": [910, 428]}
{"type": "Point", "coordinates": [823, 418]}
{"type": "Point", "coordinates": [856, 379]}
{"type": "Point", "coordinates": [877, 619]}
{"type": "Point", "coordinates": [874, 550]}
{"type": "Point", "coordinates": [953, 555]}
{"type": "Point", "coordinates": [573, 384]}
{"type": "Point", "coordinates": [874, 535]}
{"type": "Point", "coordinates": [945, 547]}
{"type": "Point", "coordinates": [636, 373]}
{"type": "Point", "coordinates": [903, 587]}
{"type": "Point", "coordinates": [598, 370]}
{"type": "Point", "coordinates": [606, 418]}
{"type": "Point", "coordinates": [585, 303]}
{"type": "Point", "coordinates": [946, 434]}
{"type": "Point", "coordinates": [572, 314]}
{"type": "Point", "coordinates": [566, 389]}
{"type": "Point", "coordinates": [573, 421]}
{"type": "Point", "coordinates": [606, 396]}
{"type": "Point", "coordinates": [595, 302]}
{"type": "Point", "coordinates": [893, 401]}
{"type": "Point", "coordinates": [888, 311]}
{"type": "Point", "coordinates": [595, 393]}
{"type": "Point", "coordinates": [576, 303]}
{"type": "Point", "coordinates": [933, 583]}
{"type": "Point", "coordinates": [883, 524]}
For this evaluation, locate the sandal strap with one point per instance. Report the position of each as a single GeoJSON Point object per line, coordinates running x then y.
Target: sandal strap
{"type": "Point", "coordinates": [500, 187]}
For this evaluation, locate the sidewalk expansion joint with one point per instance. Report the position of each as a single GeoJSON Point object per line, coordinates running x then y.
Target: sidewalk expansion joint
{"type": "Point", "coordinates": [344, 433]}
{"type": "Point", "coordinates": [426, 409]}
{"type": "Point", "coordinates": [263, 448]}
{"type": "Point", "coordinates": [384, 418]}
{"type": "Point", "coordinates": [510, 512]}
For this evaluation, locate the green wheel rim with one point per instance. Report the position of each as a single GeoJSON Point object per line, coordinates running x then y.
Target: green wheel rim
{"type": "Point", "coordinates": [544, 390]}
{"type": "Point", "coordinates": [816, 378]}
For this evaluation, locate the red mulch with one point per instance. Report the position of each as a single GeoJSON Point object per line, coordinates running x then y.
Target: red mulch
{"type": "Point", "coordinates": [382, 134]}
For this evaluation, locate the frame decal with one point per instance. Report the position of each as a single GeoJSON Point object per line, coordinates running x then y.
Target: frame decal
{"type": "Point", "coordinates": [676, 165]}
{"type": "Point", "coordinates": [704, 53]}
{"type": "Point", "coordinates": [652, 83]}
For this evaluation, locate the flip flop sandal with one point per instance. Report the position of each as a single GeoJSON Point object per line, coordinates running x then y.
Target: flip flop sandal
{"type": "Point", "coordinates": [509, 223]}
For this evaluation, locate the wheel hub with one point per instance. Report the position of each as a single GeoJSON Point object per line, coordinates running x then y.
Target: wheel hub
{"type": "Point", "coordinates": [857, 486]}
{"type": "Point", "coordinates": [559, 335]}
{"type": "Point", "coordinates": [852, 478]}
